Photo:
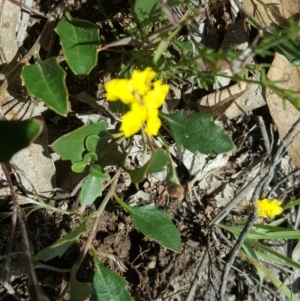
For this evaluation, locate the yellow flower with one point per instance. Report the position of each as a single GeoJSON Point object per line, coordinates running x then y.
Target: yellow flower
{"type": "Point", "coordinates": [144, 97]}
{"type": "Point", "coordinates": [268, 209]}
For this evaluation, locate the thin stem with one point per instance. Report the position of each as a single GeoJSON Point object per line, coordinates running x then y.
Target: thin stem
{"type": "Point", "coordinates": [92, 233]}
{"type": "Point", "coordinates": [35, 291]}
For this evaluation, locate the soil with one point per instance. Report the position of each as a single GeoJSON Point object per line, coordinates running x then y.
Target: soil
{"type": "Point", "coordinates": [152, 272]}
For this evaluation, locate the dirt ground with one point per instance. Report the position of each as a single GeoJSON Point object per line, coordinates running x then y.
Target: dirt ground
{"type": "Point", "coordinates": [152, 272]}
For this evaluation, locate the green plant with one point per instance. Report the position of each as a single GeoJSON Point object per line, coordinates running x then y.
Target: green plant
{"type": "Point", "coordinates": [146, 69]}
{"type": "Point", "coordinates": [254, 250]}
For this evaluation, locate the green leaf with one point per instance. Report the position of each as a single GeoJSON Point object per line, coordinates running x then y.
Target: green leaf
{"type": "Point", "coordinates": [155, 224]}
{"type": "Point", "coordinates": [198, 133]}
{"type": "Point", "coordinates": [60, 246]}
{"type": "Point", "coordinates": [252, 253]}
{"type": "Point", "coordinates": [80, 41]}
{"type": "Point", "coordinates": [285, 234]}
{"type": "Point", "coordinates": [90, 157]}
{"type": "Point", "coordinates": [46, 80]}
{"type": "Point", "coordinates": [71, 146]}
{"type": "Point", "coordinates": [79, 167]}
{"type": "Point", "coordinates": [278, 284]}
{"type": "Point", "coordinates": [15, 135]}
{"type": "Point", "coordinates": [284, 260]}
{"type": "Point", "coordinates": [291, 50]}
{"type": "Point", "coordinates": [108, 285]}
{"type": "Point", "coordinates": [90, 190]}
{"type": "Point", "coordinates": [91, 143]}
{"type": "Point", "coordinates": [291, 204]}
{"type": "Point", "coordinates": [149, 9]}
{"type": "Point", "coordinates": [157, 163]}
{"type": "Point", "coordinates": [80, 291]}
{"type": "Point", "coordinates": [97, 171]}
{"type": "Point", "coordinates": [184, 46]}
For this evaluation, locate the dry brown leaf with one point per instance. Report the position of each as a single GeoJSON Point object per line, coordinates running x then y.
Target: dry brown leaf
{"type": "Point", "coordinates": [283, 112]}
{"type": "Point", "coordinates": [274, 12]}
{"type": "Point", "coordinates": [233, 101]}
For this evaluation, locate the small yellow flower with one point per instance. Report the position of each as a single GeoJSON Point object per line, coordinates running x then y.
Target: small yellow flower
{"type": "Point", "coordinates": [144, 98]}
{"type": "Point", "coordinates": [268, 209]}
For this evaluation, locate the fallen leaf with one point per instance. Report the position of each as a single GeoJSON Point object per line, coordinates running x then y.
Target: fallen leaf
{"type": "Point", "coordinates": [282, 111]}
{"type": "Point", "coordinates": [273, 12]}
{"type": "Point", "coordinates": [233, 101]}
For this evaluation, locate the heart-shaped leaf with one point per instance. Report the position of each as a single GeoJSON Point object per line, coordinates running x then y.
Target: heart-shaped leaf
{"type": "Point", "coordinates": [72, 145]}
{"type": "Point", "coordinates": [80, 41]}
{"type": "Point", "coordinates": [198, 133]}
{"type": "Point", "coordinates": [15, 135]}
{"type": "Point", "coordinates": [46, 80]}
{"type": "Point", "coordinates": [108, 285]}
{"type": "Point", "coordinates": [155, 224]}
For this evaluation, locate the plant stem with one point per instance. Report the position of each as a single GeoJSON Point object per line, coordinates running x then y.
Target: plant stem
{"type": "Point", "coordinates": [92, 233]}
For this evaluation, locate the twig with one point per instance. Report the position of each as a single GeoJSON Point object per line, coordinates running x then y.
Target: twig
{"type": "Point", "coordinates": [5, 275]}
{"type": "Point", "coordinates": [24, 23]}
{"type": "Point", "coordinates": [35, 291]}
{"type": "Point", "coordinates": [28, 9]}
{"type": "Point", "coordinates": [142, 280]}
{"type": "Point", "coordinates": [250, 222]}
{"type": "Point", "coordinates": [247, 14]}
{"type": "Point", "coordinates": [285, 178]}
{"type": "Point", "coordinates": [92, 233]}
{"type": "Point", "coordinates": [238, 198]}
{"type": "Point", "coordinates": [264, 134]}
{"type": "Point", "coordinates": [294, 130]}
{"type": "Point", "coordinates": [250, 280]}
{"type": "Point", "coordinates": [179, 291]}
{"type": "Point", "coordinates": [200, 269]}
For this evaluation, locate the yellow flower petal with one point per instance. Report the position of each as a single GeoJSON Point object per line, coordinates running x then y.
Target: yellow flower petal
{"type": "Point", "coordinates": [153, 123]}
{"type": "Point", "coordinates": [268, 208]}
{"type": "Point", "coordinates": [141, 80]}
{"type": "Point", "coordinates": [119, 89]}
{"type": "Point", "coordinates": [156, 97]}
{"type": "Point", "coordinates": [133, 120]}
